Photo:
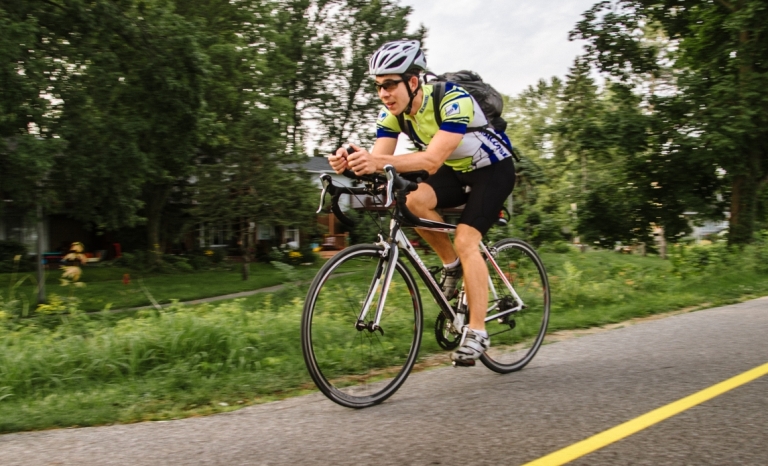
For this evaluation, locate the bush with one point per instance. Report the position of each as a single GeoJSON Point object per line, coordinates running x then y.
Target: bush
{"type": "Point", "coordinates": [367, 226]}
{"type": "Point", "coordinates": [199, 262]}
{"type": "Point", "coordinates": [9, 250]}
{"type": "Point", "coordinates": [218, 255]}
{"type": "Point", "coordinates": [760, 255]}
{"type": "Point", "coordinates": [308, 255]}
{"type": "Point", "coordinates": [696, 259]}
{"type": "Point", "coordinates": [137, 260]}
{"type": "Point", "coordinates": [289, 256]}
{"type": "Point", "coordinates": [558, 247]}
{"type": "Point", "coordinates": [178, 263]}
{"type": "Point", "coordinates": [184, 267]}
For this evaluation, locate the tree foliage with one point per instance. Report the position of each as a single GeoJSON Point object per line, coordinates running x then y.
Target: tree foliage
{"type": "Point", "coordinates": [114, 110]}
{"type": "Point", "coordinates": [710, 114]}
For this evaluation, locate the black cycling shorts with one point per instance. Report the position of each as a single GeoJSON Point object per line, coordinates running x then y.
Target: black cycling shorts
{"type": "Point", "coordinates": [490, 187]}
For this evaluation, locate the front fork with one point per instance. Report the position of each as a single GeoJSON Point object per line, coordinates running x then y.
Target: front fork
{"type": "Point", "coordinates": [385, 270]}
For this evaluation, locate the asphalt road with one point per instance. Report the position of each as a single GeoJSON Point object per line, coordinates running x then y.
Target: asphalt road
{"type": "Point", "coordinates": [573, 389]}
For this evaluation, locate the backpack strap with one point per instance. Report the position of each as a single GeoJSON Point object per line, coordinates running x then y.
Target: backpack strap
{"type": "Point", "coordinates": [408, 131]}
{"type": "Point", "coordinates": [438, 93]}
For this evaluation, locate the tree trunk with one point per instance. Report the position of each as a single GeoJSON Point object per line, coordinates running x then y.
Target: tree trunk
{"type": "Point", "coordinates": [662, 243]}
{"type": "Point", "coordinates": [746, 185]}
{"type": "Point", "coordinates": [41, 298]}
{"type": "Point", "coordinates": [244, 247]}
{"type": "Point", "coordinates": [743, 202]}
{"type": "Point", "coordinates": [155, 197]}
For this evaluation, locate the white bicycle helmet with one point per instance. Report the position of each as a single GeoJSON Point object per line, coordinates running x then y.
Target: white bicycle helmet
{"type": "Point", "coordinates": [397, 57]}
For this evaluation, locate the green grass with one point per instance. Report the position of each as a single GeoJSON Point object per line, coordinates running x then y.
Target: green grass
{"type": "Point", "coordinates": [92, 369]}
{"type": "Point", "coordinates": [104, 285]}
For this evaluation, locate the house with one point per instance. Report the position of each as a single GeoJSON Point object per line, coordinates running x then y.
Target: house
{"type": "Point", "coordinates": [59, 232]}
{"type": "Point", "coordinates": [702, 230]}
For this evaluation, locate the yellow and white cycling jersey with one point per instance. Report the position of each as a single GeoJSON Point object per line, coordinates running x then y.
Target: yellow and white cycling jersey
{"type": "Point", "coordinates": [459, 111]}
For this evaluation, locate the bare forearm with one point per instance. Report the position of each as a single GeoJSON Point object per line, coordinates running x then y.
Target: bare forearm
{"type": "Point", "coordinates": [440, 148]}
{"type": "Point", "coordinates": [407, 162]}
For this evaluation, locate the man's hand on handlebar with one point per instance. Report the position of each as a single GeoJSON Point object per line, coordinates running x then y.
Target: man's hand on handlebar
{"type": "Point", "coordinates": [338, 161]}
{"type": "Point", "coordinates": [361, 161]}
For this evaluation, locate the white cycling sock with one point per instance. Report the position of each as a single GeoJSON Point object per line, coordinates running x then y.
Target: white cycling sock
{"type": "Point", "coordinates": [481, 333]}
{"type": "Point", "coordinates": [453, 264]}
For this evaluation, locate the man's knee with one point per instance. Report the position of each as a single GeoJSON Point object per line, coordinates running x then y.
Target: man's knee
{"type": "Point", "coordinates": [421, 200]}
{"type": "Point", "coordinates": [467, 240]}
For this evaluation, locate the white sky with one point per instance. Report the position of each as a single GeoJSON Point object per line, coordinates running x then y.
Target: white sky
{"type": "Point", "coordinates": [510, 43]}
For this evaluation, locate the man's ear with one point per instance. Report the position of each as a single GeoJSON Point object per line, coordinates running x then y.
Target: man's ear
{"type": "Point", "coordinates": [413, 81]}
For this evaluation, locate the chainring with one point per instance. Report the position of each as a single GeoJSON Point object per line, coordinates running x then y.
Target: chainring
{"type": "Point", "coordinates": [445, 338]}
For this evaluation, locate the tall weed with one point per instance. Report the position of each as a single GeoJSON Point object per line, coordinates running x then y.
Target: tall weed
{"type": "Point", "coordinates": [179, 342]}
{"type": "Point", "coordinates": [696, 260]}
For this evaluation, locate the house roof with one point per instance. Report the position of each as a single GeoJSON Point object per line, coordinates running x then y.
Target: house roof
{"type": "Point", "coordinates": [318, 165]}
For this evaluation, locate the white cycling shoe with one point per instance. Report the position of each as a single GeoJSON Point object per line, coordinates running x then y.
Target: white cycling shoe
{"type": "Point", "coordinates": [472, 346]}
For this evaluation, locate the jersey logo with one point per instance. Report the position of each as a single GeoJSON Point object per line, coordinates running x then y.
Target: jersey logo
{"type": "Point", "coordinates": [424, 105]}
{"type": "Point", "coordinates": [382, 116]}
{"type": "Point", "coordinates": [453, 109]}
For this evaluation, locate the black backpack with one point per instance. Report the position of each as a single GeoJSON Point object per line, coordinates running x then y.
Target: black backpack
{"type": "Point", "coordinates": [487, 97]}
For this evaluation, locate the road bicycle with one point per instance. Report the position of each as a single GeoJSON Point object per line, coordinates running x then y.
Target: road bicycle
{"type": "Point", "coordinates": [362, 322]}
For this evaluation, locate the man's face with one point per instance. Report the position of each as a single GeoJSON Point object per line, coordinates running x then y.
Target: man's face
{"type": "Point", "coordinates": [392, 92]}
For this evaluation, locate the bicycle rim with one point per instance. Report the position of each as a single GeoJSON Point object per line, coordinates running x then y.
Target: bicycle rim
{"type": "Point", "coordinates": [360, 368]}
{"type": "Point", "coordinates": [516, 338]}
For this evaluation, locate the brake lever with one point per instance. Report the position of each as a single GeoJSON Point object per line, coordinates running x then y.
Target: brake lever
{"type": "Point", "coordinates": [326, 180]}
{"type": "Point", "coordinates": [390, 171]}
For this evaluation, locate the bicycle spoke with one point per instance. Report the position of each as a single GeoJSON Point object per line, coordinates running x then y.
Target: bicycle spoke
{"type": "Point", "coordinates": [360, 367]}
{"type": "Point", "coordinates": [516, 337]}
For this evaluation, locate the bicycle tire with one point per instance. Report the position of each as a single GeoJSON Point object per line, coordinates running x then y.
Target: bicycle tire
{"type": "Point", "coordinates": [360, 368]}
{"type": "Point", "coordinates": [516, 338]}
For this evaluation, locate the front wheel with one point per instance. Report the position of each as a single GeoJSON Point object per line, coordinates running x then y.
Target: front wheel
{"type": "Point", "coordinates": [352, 363]}
{"type": "Point", "coordinates": [516, 337]}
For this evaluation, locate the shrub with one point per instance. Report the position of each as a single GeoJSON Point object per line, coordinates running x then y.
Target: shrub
{"type": "Point", "coordinates": [218, 255]}
{"type": "Point", "coordinates": [178, 263]}
{"type": "Point", "coordinates": [184, 267]}
{"type": "Point", "coordinates": [199, 262]}
{"type": "Point", "coordinates": [760, 255]}
{"type": "Point", "coordinates": [137, 260]}
{"type": "Point", "coordinates": [558, 247]}
{"type": "Point", "coordinates": [308, 255]}
{"type": "Point", "coordinates": [13, 257]}
{"type": "Point", "coordinates": [696, 259]}
{"type": "Point", "coordinates": [10, 249]}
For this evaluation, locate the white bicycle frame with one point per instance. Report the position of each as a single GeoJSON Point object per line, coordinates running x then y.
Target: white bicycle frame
{"type": "Point", "coordinates": [390, 257]}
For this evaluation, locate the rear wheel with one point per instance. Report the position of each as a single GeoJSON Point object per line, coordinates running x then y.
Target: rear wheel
{"type": "Point", "coordinates": [516, 337]}
{"type": "Point", "coordinates": [356, 365]}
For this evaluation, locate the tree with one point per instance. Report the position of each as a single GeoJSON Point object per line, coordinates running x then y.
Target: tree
{"type": "Point", "coordinates": [120, 84]}
{"type": "Point", "coordinates": [711, 131]}
{"type": "Point", "coordinates": [247, 170]}
{"type": "Point", "coordinates": [347, 105]}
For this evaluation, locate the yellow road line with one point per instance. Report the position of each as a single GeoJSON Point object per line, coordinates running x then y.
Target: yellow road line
{"type": "Point", "coordinates": [617, 433]}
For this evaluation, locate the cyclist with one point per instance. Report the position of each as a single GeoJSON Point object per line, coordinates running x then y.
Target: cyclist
{"type": "Point", "coordinates": [468, 168]}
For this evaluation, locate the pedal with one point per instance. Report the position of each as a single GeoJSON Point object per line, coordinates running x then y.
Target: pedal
{"type": "Point", "coordinates": [470, 363]}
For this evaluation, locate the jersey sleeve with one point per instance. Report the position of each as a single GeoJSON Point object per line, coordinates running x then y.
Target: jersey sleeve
{"type": "Point", "coordinates": [457, 110]}
{"type": "Point", "coordinates": [387, 125]}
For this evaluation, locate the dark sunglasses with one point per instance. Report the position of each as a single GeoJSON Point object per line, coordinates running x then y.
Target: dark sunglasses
{"type": "Point", "coordinates": [388, 86]}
